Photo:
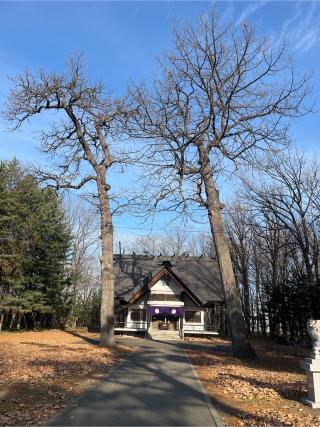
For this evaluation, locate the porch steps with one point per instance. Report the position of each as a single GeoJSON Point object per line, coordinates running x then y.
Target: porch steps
{"type": "Point", "coordinates": [163, 335]}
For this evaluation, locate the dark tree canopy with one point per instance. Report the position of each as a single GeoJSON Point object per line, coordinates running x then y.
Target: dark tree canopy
{"type": "Point", "coordinates": [35, 248]}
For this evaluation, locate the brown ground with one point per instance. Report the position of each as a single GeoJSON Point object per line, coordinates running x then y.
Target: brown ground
{"type": "Point", "coordinates": [43, 372]}
{"type": "Point", "coordinates": [262, 392]}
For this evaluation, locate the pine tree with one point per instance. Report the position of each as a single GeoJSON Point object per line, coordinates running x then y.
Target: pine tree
{"type": "Point", "coordinates": [34, 253]}
{"type": "Point", "coordinates": [12, 243]}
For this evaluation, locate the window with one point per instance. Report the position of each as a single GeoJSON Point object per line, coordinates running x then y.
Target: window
{"type": "Point", "coordinates": [163, 297]}
{"type": "Point", "coordinates": [138, 315]}
{"type": "Point", "coordinates": [193, 316]}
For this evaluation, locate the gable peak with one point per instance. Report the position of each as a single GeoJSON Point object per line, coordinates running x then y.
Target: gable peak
{"type": "Point", "coordinates": [166, 263]}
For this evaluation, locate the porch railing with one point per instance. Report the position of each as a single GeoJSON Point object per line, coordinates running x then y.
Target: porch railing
{"type": "Point", "coordinates": [131, 325]}
{"type": "Point", "coordinates": [198, 328]}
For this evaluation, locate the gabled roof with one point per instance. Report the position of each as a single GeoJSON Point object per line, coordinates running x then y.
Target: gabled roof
{"type": "Point", "coordinates": [201, 276]}
{"type": "Point", "coordinates": [164, 272]}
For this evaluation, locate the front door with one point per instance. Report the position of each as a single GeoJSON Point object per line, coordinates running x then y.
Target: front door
{"type": "Point", "coordinates": [167, 322]}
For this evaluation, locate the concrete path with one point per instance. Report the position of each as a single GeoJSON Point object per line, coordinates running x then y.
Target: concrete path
{"type": "Point", "coordinates": [156, 386]}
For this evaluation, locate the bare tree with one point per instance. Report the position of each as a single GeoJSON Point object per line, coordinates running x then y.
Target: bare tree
{"type": "Point", "coordinates": [84, 141]}
{"type": "Point", "coordinates": [267, 265]}
{"type": "Point", "coordinates": [168, 243]}
{"type": "Point", "coordinates": [84, 224]}
{"type": "Point", "coordinates": [238, 228]}
{"type": "Point", "coordinates": [177, 242]}
{"type": "Point", "coordinates": [277, 217]}
{"type": "Point", "coordinates": [223, 96]}
{"type": "Point", "coordinates": [202, 244]}
{"type": "Point", "coordinates": [174, 243]}
{"type": "Point", "coordinates": [86, 251]}
{"type": "Point", "coordinates": [287, 194]}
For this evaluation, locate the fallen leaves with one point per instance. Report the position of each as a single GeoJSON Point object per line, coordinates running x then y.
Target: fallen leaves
{"type": "Point", "coordinates": [43, 372]}
{"type": "Point", "coordinates": [264, 392]}
{"type": "Point", "coordinates": [271, 417]}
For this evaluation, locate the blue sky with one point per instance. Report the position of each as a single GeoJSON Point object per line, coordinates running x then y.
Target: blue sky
{"type": "Point", "coordinates": [120, 40]}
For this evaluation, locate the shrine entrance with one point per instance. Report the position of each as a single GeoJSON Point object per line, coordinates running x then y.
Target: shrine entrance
{"type": "Point", "coordinates": [165, 322]}
{"type": "Point", "coordinates": [165, 318]}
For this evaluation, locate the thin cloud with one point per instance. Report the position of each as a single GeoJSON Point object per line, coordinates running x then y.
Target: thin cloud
{"type": "Point", "coordinates": [302, 29]}
{"type": "Point", "coordinates": [250, 10]}
{"type": "Point", "coordinates": [228, 12]}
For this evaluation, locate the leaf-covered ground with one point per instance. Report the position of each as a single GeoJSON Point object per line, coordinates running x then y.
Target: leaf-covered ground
{"type": "Point", "coordinates": [262, 392]}
{"type": "Point", "coordinates": [43, 372]}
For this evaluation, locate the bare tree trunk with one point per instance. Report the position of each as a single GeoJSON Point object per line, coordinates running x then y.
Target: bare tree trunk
{"type": "Point", "coordinates": [12, 321]}
{"type": "Point", "coordinates": [1, 320]}
{"type": "Point", "coordinates": [305, 248]}
{"type": "Point", "coordinates": [19, 315]}
{"type": "Point", "coordinates": [240, 343]}
{"type": "Point", "coordinates": [33, 319]}
{"type": "Point", "coordinates": [261, 321]}
{"type": "Point", "coordinates": [107, 275]}
{"type": "Point", "coordinates": [316, 257]}
{"type": "Point", "coordinates": [246, 295]}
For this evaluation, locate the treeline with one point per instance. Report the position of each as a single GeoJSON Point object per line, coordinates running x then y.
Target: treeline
{"type": "Point", "coordinates": [35, 249]}
{"type": "Point", "coordinates": [274, 236]}
{"type": "Point", "coordinates": [49, 252]}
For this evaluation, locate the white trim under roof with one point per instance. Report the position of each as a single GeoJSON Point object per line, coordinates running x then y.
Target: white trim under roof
{"type": "Point", "coordinates": [166, 303]}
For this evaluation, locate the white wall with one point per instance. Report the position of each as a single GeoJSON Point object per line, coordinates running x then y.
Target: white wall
{"type": "Point", "coordinates": [133, 324]}
{"type": "Point", "coordinates": [165, 286]}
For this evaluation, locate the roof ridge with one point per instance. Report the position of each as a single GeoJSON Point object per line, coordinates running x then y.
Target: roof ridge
{"type": "Point", "coordinates": [163, 257]}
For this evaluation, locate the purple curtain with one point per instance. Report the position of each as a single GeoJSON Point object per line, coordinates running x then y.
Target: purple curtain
{"type": "Point", "coordinates": [177, 311]}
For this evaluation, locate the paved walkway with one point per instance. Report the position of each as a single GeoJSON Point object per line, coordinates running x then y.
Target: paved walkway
{"type": "Point", "coordinates": [156, 386]}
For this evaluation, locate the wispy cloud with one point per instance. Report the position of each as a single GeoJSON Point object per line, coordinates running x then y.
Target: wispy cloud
{"type": "Point", "coordinates": [302, 29]}
{"type": "Point", "coordinates": [228, 11]}
{"type": "Point", "coordinates": [250, 10]}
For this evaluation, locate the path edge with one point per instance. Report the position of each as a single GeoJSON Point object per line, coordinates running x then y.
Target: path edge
{"type": "Point", "coordinates": [212, 409]}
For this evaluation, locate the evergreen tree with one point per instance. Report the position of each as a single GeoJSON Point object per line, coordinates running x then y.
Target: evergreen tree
{"type": "Point", "coordinates": [12, 243]}
{"type": "Point", "coordinates": [34, 252]}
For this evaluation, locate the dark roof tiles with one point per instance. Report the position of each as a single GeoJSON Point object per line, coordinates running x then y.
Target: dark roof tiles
{"type": "Point", "coordinates": [200, 275]}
